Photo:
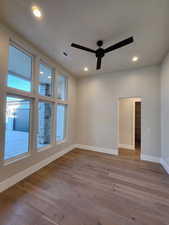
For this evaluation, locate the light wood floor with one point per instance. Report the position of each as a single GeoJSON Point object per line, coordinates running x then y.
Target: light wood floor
{"type": "Point", "coordinates": [88, 188]}
{"type": "Point", "coordinates": [130, 154]}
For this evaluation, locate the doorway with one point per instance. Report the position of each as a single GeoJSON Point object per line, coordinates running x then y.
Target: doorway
{"type": "Point", "coordinates": [137, 125]}
{"type": "Point", "coordinates": [129, 128]}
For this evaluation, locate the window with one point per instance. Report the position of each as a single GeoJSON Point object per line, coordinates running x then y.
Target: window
{"type": "Point", "coordinates": [62, 88]}
{"type": "Point", "coordinates": [60, 122]}
{"type": "Point", "coordinates": [44, 124]}
{"type": "Point", "coordinates": [45, 80]}
{"type": "Point", "coordinates": [17, 127]}
{"type": "Point", "coordinates": [27, 115]}
{"type": "Point", "coordinates": [19, 69]}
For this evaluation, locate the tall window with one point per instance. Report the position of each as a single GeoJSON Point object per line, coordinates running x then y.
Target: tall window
{"type": "Point", "coordinates": [62, 88]}
{"type": "Point", "coordinates": [17, 127]}
{"type": "Point", "coordinates": [19, 69]}
{"type": "Point", "coordinates": [45, 80]}
{"type": "Point", "coordinates": [44, 124]}
{"type": "Point", "coordinates": [29, 115]}
{"type": "Point", "coordinates": [60, 122]}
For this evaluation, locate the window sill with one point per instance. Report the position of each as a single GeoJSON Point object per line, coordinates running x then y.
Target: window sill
{"type": "Point", "coordinates": [44, 148]}
{"type": "Point", "coordinates": [16, 159]}
{"type": "Point", "coordinates": [61, 142]}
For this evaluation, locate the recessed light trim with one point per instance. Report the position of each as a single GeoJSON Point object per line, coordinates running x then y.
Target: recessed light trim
{"type": "Point", "coordinates": [135, 58]}
{"type": "Point", "coordinates": [86, 69]}
{"type": "Point", "coordinates": [36, 12]}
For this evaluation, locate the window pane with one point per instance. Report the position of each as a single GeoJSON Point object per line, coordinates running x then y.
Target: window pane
{"type": "Point", "coordinates": [19, 69]}
{"type": "Point", "coordinates": [18, 83]}
{"type": "Point", "coordinates": [60, 122]}
{"type": "Point", "coordinates": [44, 124]}
{"type": "Point", "coordinates": [45, 79]}
{"type": "Point", "coordinates": [62, 88]}
{"type": "Point", "coordinates": [17, 127]}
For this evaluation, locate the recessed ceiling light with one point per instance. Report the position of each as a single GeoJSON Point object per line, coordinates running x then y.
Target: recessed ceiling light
{"type": "Point", "coordinates": [36, 11]}
{"type": "Point", "coordinates": [86, 69]}
{"type": "Point", "coordinates": [135, 59]}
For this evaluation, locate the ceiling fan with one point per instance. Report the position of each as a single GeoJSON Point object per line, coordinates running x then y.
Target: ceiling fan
{"type": "Point", "coordinates": [100, 52]}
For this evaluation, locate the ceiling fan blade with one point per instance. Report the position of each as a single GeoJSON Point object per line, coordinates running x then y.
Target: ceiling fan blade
{"type": "Point", "coordinates": [99, 61]}
{"type": "Point", "coordinates": [119, 44]}
{"type": "Point", "coordinates": [82, 48]}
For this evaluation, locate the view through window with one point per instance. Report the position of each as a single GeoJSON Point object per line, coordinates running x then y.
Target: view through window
{"type": "Point", "coordinates": [62, 88]}
{"type": "Point", "coordinates": [19, 69]}
{"type": "Point", "coordinates": [45, 79]}
{"type": "Point", "coordinates": [44, 124]}
{"type": "Point", "coordinates": [17, 127]}
{"type": "Point", "coordinates": [61, 122]}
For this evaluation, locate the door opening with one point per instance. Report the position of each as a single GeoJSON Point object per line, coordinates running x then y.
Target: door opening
{"type": "Point", "coordinates": [137, 125]}
{"type": "Point", "coordinates": [129, 128]}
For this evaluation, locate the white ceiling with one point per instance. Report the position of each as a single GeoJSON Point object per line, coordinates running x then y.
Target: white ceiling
{"type": "Point", "coordinates": [87, 21]}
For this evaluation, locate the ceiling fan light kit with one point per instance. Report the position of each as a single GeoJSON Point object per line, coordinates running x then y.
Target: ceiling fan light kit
{"type": "Point", "coordinates": [100, 52]}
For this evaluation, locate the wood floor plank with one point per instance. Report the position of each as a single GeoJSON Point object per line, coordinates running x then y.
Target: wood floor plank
{"type": "Point", "coordinates": [89, 188]}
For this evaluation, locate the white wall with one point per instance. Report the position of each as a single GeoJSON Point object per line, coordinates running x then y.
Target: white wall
{"type": "Point", "coordinates": [97, 107]}
{"type": "Point", "coordinates": [165, 112]}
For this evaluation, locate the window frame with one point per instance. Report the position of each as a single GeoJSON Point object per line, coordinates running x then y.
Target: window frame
{"type": "Point", "coordinates": [65, 123]}
{"type": "Point", "coordinates": [53, 80]}
{"type": "Point", "coordinates": [34, 97]}
{"type": "Point", "coordinates": [26, 154]}
{"type": "Point", "coordinates": [26, 52]}
{"type": "Point", "coordinates": [51, 127]}
{"type": "Point", "coordinates": [65, 89]}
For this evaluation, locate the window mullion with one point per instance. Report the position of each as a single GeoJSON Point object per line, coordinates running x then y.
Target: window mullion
{"type": "Point", "coordinates": [35, 75]}
{"type": "Point", "coordinates": [19, 75]}
{"type": "Point", "coordinates": [2, 125]}
{"type": "Point", "coordinates": [63, 102]}
{"type": "Point", "coordinates": [34, 120]}
{"type": "Point", "coordinates": [34, 126]}
{"type": "Point", "coordinates": [53, 120]}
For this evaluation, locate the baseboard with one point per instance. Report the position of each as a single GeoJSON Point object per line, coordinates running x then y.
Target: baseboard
{"type": "Point", "coordinates": [130, 147]}
{"type": "Point", "coordinates": [165, 164]}
{"type": "Point", "coordinates": [27, 172]}
{"type": "Point", "coordinates": [98, 149]}
{"type": "Point", "coordinates": [150, 158]}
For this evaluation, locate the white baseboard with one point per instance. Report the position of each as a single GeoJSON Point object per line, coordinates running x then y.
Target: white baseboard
{"type": "Point", "coordinates": [130, 147]}
{"type": "Point", "coordinates": [165, 164]}
{"type": "Point", "coordinates": [98, 149]}
{"type": "Point", "coordinates": [27, 172]}
{"type": "Point", "coordinates": [150, 158]}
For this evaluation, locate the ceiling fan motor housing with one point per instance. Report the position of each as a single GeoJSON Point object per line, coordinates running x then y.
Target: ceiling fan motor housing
{"type": "Point", "coordinates": [100, 53]}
